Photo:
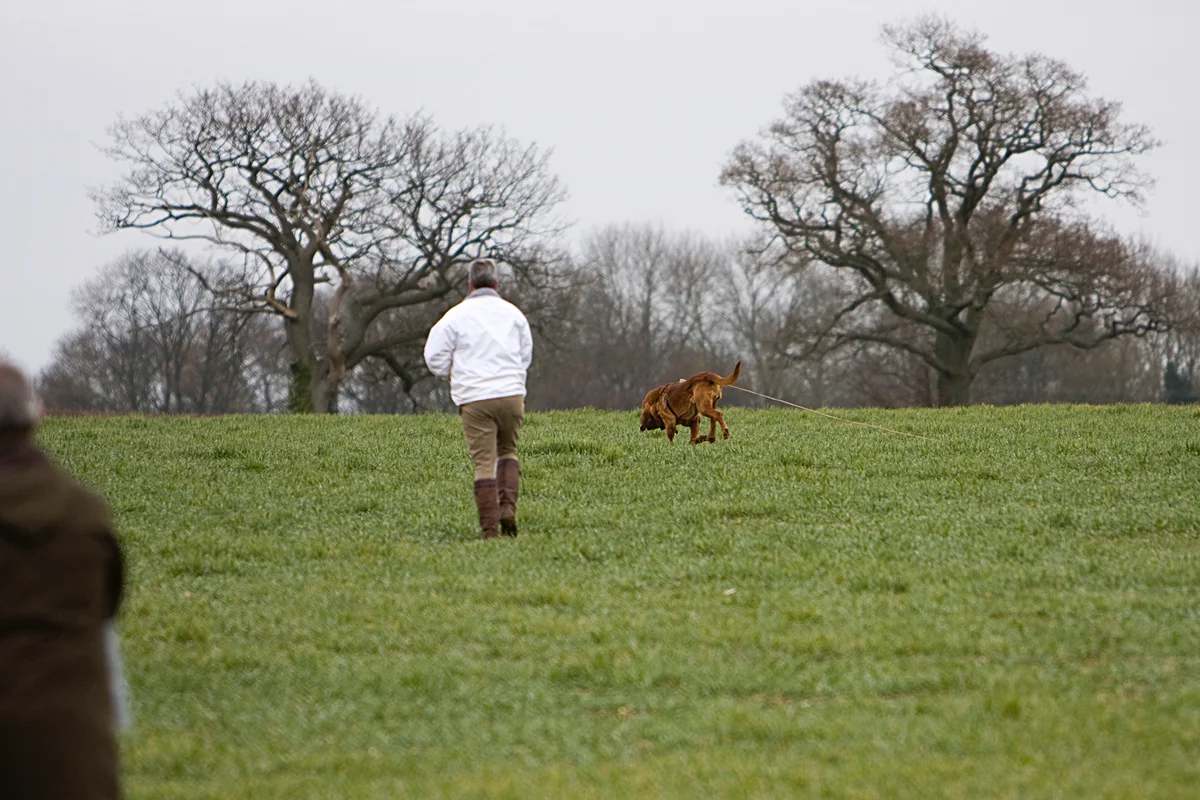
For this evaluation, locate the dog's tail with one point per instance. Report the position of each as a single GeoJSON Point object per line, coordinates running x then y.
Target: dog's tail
{"type": "Point", "coordinates": [733, 376]}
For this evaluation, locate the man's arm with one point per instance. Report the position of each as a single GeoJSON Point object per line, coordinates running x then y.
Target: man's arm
{"type": "Point", "coordinates": [439, 349]}
{"type": "Point", "coordinates": [526, 344]}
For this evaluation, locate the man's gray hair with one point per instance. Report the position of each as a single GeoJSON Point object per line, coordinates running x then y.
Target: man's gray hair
{"type": "Point", "coordinates": [482, 273]}
{"type": "Point", "coordinates": [19, 408]}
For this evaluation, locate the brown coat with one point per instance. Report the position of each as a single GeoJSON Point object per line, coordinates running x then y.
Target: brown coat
{"type": "Point", "coordinates": [60, 581]}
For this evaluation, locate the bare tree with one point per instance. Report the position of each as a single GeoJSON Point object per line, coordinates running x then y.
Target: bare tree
{"type": "Point", "coordinates": [644, 311]}
{"type": "Point", "coordinates": [76, 379]}
{"type": "Point", "coordinates": [1124, 370]}
{"type": "Point", "coordinates": [397, 383]}
{"type": "Point", "coordinates": [311, 187]}
{"type": "Point", "coordinates": [777, 317]}
{"type": "Point", "coordinates": [146, 302]}
{"type": "Point", "coordinates": [151, 340]}
{"type": "Point", "coordinates": [116, 354]}
{"type": "Point", "coordinates": [267, 372]}
{"type": "Point", "coordinates": [1181, 348]}
{"type": "Point", "coordinates": [956, 186]}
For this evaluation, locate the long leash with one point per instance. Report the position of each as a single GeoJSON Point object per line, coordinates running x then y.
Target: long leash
{"type": "Point", "coordinates": [831, 416]}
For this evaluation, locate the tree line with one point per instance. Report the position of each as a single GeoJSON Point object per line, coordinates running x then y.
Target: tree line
{"type": "Point", "coordinates": [921, 242]}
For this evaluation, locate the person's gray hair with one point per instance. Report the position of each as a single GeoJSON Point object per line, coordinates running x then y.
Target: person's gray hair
{"type": "Point", "coordinates": [482, 273]}
{"type": "Point", "coordinates": [19, 407]}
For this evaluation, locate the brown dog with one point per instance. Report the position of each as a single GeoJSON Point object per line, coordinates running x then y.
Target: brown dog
{"type": "Point", "coordinates": [685, 401]}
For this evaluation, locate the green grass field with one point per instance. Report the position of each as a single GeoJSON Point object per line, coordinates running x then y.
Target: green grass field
{"type": "Point", "coordinates": [807, 609]}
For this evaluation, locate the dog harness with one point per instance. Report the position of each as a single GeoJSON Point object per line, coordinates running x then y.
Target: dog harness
{"type": "Point", "coordinates": [667, 403]}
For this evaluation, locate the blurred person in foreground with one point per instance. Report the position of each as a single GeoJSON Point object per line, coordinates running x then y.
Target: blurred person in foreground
{"type": "Point", "coordinates": [483, 345]}
{"type": "Point", "coordinates": [61, 577]}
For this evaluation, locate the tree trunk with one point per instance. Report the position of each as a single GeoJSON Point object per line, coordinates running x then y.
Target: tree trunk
{"type": "Point", "coordinates": [954, 383]}
{"type": "Point", "coordinates": [302, 392]}
{"type": "Point", "coordinates": [312, 389]}
{"type": "Point", "coordinates": [324, 390]}
{"type": "Point", "coordinates": [300, 388]}
{"type": "Point", "coordinates": [953, 390]}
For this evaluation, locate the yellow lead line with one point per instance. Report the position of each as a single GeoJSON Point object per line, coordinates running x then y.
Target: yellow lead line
{"type": "Point", "coordinates": [831, 416]}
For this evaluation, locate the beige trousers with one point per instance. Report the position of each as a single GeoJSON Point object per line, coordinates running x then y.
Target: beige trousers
{"type": "Point", "coordinates": [492, 428]}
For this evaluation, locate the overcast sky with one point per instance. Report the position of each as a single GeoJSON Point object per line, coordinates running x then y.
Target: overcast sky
{"type": "Point", "coordinates": [640, 100]}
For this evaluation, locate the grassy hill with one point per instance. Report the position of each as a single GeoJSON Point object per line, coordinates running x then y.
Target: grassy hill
{"type": "Point", "coordinates": [807, 609]}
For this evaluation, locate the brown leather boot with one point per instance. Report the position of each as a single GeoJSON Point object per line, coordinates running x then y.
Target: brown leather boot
{"type": "Point", "coordinates": [508, 476]}
{"type": "Point", "coordinates": [487, 502]}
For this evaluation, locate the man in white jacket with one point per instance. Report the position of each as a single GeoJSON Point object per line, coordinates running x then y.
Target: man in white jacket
{"type": "Point", "coordinates": [484, 347]}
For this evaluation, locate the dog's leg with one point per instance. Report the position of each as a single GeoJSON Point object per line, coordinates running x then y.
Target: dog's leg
{"type": "Point", "coordinates": [669, 423]}
{"type": "Point", "coordinates": [708, 408]}
{"type": "Point", "coordinates": [695, 426]}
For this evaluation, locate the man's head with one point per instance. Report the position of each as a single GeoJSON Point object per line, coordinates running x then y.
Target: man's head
{"type": "Point", "coordinates": [19, 410]}
{"type": "Point", "coordinates": [482, 274]}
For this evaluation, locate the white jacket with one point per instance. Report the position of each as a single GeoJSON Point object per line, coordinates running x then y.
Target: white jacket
{"type": "Point", "coordinates": [483, 346]}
